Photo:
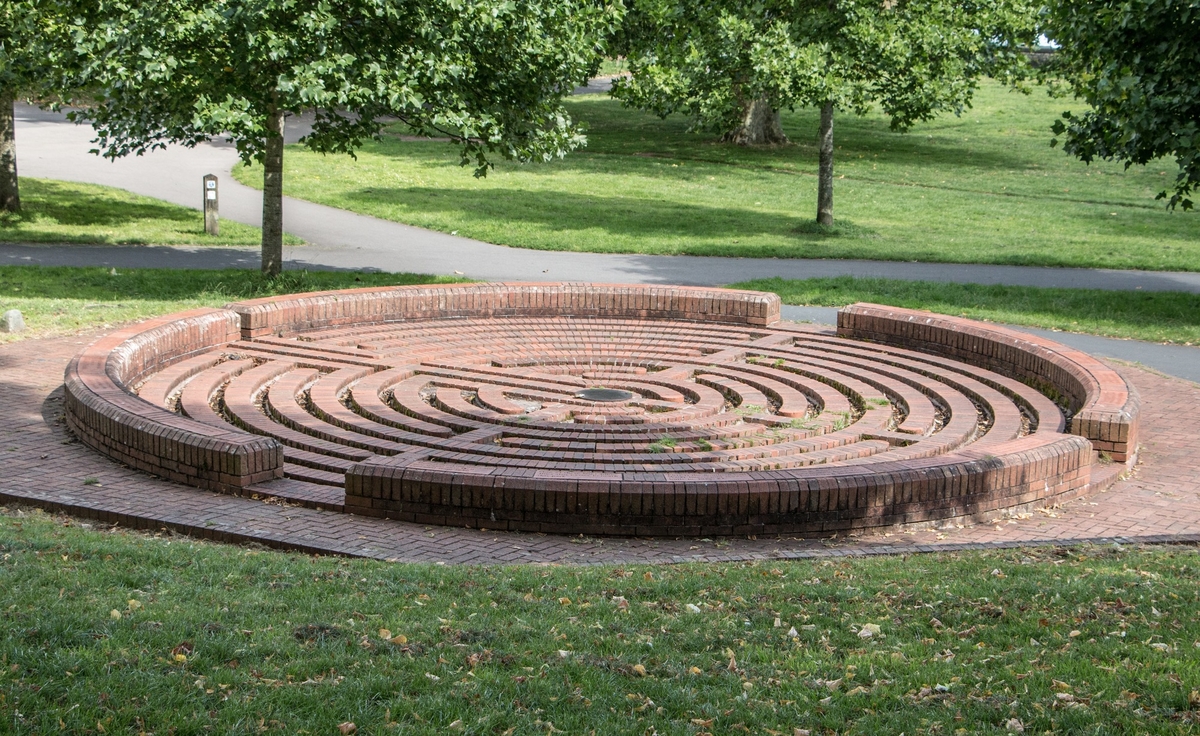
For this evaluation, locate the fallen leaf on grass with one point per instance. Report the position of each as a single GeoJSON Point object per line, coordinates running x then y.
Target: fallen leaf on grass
{"type": "Point", "coordinates": [869, 630]}
{"type": "Point", "coordinates": [347, 728]}
{"type": "Point", "coordinates": [639, 670]}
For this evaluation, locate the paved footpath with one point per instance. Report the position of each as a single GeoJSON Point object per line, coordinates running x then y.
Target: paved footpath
{"type": "Point", "coordinates": [41, 464]}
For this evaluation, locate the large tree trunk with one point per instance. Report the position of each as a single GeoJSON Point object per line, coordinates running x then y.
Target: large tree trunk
{"type": "Point", "coordinates": [10, 195]}
{"type": "Point", "coordinates": [760, 125]}
{"type": "Point", "coordinates": [272, 215]}
{"type": "Point", "coordinates": [825, 172]}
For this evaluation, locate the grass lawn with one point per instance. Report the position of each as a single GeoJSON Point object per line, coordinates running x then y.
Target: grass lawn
{"type": "Point", "coordinates": [1162, 316]}
{"type": "Point", "coordinates": [69, 212]}
{"type": "Point", "coordinates": [60, 300]}
{"type": "Point", "coordinates": [983, 188]}
{"type": "Point", "coordinates": [119, 632]}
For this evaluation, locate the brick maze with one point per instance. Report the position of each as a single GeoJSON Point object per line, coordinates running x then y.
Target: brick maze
{"type": "Point", "coordinates": [619, 410]}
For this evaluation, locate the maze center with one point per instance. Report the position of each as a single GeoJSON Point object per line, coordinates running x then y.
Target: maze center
{"type": "Point", "coordinates": [618, 410]}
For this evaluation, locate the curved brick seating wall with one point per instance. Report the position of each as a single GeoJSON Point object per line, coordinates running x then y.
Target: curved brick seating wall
{"type": "Point", "coordinates": [471, 405]}
{"type": "Point", "coordinates": [1104, 407]}
{"type": "Point", "coordinates": [316, 310]}
{"type": "Point", "coordinates": [107, 416]}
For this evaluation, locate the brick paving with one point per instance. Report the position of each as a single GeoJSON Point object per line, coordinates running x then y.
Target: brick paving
{"type": "Point", "coordinates": [42, 464]}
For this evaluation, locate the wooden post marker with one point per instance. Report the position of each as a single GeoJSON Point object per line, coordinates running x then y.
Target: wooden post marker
{"type": "Point", "coordinates": [211, 214]}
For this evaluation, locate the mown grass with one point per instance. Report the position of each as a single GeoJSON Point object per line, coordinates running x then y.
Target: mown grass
{"type": "Point", "coordinates": [70, 212]}
{"type": "Point", "coordinates": [61, 300]}
{"type": "Point", "coordinates": [1157, 316]}
{"type": "Point", "coordinates": [982, 188]}
{"type": "Point", "coordinates": [118, 632]}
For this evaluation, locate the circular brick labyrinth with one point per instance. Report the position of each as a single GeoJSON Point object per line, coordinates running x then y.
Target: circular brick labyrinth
{"type": "Point", "coordinates": [700, 416]}
{"type": "Point", "coordinates": [513, 393]}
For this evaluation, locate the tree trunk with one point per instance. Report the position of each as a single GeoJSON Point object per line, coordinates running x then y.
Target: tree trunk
{"type": "Point", "coordinates": [10, 195]}
{"type": "Point", "coordinates": [272, 215]}
{"type": "Point", "coordinates": [760, 126]}
{"type": "Point", "coordinates": [825, 173]}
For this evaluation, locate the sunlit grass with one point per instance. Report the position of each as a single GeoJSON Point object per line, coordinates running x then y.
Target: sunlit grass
{"type": "Point", "coordinates": [63, 300]}
{"type": "Point", "coordinates": [70, 212]}
{"type": "Point", "coordinates": [1157, 316]}
{"type": "Point", "coordinates": [982, 188]}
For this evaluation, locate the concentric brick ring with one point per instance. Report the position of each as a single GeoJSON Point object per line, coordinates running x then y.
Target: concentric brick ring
{"type": "Point", "coordinates": [619, 410]}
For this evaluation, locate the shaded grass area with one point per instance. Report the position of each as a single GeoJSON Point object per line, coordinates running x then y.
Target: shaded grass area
{"type": "Point", "coordinates": [70, 212]}
{"type": "Point", "coordinates": [1157, 316]}
{"type": "Point", "coordinates": [982, 188]}
{"type": "Point", "coordinates": [118, 632]}
{"type": "Point", "coordinates": [57, 300]}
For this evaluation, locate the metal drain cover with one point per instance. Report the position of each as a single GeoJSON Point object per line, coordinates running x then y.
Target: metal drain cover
{"type": "Point", "coordinates": [604, 394]}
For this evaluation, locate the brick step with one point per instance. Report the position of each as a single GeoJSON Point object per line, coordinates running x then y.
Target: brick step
{"type": "Point", "coordinates": [312, 495]}
{"type": "Point", "coordinates": [312, 475]}
{"type": "Point", "coordinates": [327, 463]}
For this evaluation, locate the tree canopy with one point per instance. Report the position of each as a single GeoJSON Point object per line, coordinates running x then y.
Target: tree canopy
{"type": "Point", "coordinates": [489, 74]}
{"type": "Point", "coordinates": [1137, 65]}
{"type": "Point", "coordinates": [30, 65]}
{"type": "Point", "coordinates": [732, 65]}
{"type": "Point", "coordinates": [914, 58]}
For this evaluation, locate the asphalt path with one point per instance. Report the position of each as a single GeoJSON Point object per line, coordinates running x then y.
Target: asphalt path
{"type": "Point", "coordinates": [51, 147]}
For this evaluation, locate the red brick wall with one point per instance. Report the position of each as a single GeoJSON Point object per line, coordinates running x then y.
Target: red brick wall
{"type": "Point", "coordinates": [108, 417]}
{"type": "Point", "coordinates": [1104, 407]}
{"type": "Point", "coordinates": [288, 314]}
{"type": "Point", "coordinates": [815, 500]}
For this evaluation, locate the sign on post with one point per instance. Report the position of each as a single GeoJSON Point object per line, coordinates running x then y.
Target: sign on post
{"type": "Point", "coordinates": [211, 215]}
